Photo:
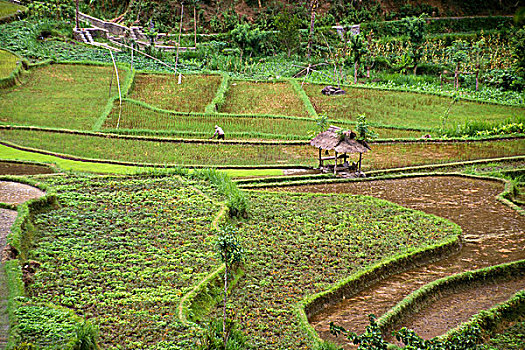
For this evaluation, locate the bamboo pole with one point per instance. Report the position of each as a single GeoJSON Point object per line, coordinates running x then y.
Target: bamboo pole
{"type": "Point", "coordinates": [180, 32]}
{"type": "Point", "coordinates": [118, 84]}
{"type": "Point", "coordinates": [335, 165]}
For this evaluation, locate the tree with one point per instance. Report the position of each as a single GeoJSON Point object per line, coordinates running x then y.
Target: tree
{"type": "Point", "coordinates": [518, 52]}
{"type": "Point", "coordinates": [457, 54]}
{"type": "Point", "coordinates": [313, 9]}
{"type": "Point", "coordinates": [364, 132]}
{"type": "Point", "coordinates": [415, 29]}
{"type": "Point", "coordinates": [289, 35]}
{"type": "Point", "coordinates": [358, 50]}
{"type": "Point", "coordinates": [230, 252]}
{"type": "Point", "coordinates": [246, 38]}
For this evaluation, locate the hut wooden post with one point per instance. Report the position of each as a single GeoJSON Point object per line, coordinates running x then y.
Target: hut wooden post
{"type": "Point", "coordinates": [335, 165]}
{"type": "Point", "coordinates": [320, 161]}
{"type": "Point", "coordinates": [360, 155]}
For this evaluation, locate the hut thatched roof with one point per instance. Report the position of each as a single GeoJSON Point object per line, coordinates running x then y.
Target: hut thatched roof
{"type": "Point", "coordinates": [332, 139]}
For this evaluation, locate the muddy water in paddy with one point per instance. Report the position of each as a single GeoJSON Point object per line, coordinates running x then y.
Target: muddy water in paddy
{"type": "Point", "coordinates": [493, 234]}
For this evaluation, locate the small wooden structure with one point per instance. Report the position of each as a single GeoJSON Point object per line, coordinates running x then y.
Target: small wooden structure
{"type": "Point", "coordinates": [341, 142]}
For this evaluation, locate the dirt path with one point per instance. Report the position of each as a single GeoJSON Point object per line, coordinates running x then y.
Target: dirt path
{"type": "Point", "coordinates": [493, 233]}
{"type": "Point", "coordinates": [11, 193]}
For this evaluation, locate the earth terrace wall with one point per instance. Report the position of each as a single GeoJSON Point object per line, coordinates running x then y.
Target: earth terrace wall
{"type": "Point", "coordinates": [433, 290]}
{"type": "Point", "coordinates": [18, 243]}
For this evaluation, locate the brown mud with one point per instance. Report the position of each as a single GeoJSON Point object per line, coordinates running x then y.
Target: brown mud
{"type": "Point", "coordinates": [13, 168]}
{"type": "Point", "coordinates": [493, 234]}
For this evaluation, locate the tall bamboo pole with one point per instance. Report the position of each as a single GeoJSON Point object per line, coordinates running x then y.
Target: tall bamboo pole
{"type": "Point", "coordinates": [76, 17]}
{"type": "Point", "coordinates": [180, 33]}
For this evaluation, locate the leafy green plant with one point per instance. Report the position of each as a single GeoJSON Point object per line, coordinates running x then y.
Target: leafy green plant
{"type": "Point", "coordinates": [371, 339]}
{"type": "Point", "coordinates": [231, 253]}
{"type": "Point", "coordinates": [363, 130]}
{"type": "Point", "coordinates": [213, 337]}
{"type": "Point", "coordinates": [86, 337]}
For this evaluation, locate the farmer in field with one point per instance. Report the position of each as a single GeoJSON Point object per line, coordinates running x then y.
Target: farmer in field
{"type": "Point", "coordinates": [219, 132]}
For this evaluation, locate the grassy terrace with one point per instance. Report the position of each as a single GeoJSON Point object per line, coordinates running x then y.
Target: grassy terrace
{"type": "Point", "coordinates": [404, 109]}
{"type": "Point", "coordinates": [137, 119]}
{"type": "Point", "coordinates": [195, 92]}
{"type": "Point", "coordinates": [382, 156]}
{"type": "Point", "coordinates": [8, 8]}
{"type": "Point", "coordinates": [7, 63]}
{"type": "Point", "coordinates": [122, 251]}
{"type": "Point", "coordinates": [263, 98]}
{"type": "Point", "coordinates": [64, 96]}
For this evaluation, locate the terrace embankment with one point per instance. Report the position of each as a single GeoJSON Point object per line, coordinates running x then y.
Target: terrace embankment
{"type": "Point", "coordinates": [10, 193]}
{"type": "Point", "coordinates": [493, 234]}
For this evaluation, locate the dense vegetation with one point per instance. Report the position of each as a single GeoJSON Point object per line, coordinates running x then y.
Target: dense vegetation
{"type": "Point", "coordinates": [113, 254]}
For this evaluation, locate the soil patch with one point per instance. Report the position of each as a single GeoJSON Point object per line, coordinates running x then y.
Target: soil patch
{"type": "Point", "coordinates": [11, 168]}
{"type": "Point", "coordinates": [16, 193]}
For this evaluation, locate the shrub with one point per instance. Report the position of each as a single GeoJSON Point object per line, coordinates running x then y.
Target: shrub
{"type": "Point", "coordinates": [86, 337]}
{"type": "Point", "coordinates": [212, 338]}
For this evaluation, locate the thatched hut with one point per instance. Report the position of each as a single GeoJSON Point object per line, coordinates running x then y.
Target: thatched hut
{"type": "Point", "coordinates": [341, 142]}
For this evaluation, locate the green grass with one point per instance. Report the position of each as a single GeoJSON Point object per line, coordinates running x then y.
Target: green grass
{"type": "Point", "coordinates": [8, 8]}
{"type": "Point", "coordinates": [382, 156]}
{"type": "Point", "coordinates": [7, 63]}
{"type": "Point", "coordinates": [63, 96]}
{"type": "Point", "coordinates": [162, 91]}
{"type": "Point", "coordinates": [403, 109]}
{"type": "Point", "coordinates": [246, 97]}
{"type": "Point", "coordinates": [8, 153]}
{"type": "Point", "coordinates": [137, 119]}
{"type": "Point", "coordinates": [122, 251]}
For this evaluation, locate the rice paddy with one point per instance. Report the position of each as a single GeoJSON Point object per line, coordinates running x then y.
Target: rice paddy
{"type": "Point", "coordinates": [382, 156]}
{"type": "Point", "coordinates": [8, 8]}
{"type": "Point", "coordinates": [192, 95]}
{"type": "Point", "coordinates": [278, 98]}
{"type": "Point", "coordinates": [7, 63]}
{"type": "Point", "coordinates": [409, 110]}
{"type": "Point", "coordinates": [60, 96]}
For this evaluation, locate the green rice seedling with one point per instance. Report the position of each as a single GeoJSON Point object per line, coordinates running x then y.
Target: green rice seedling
{"type": "Point", "coordinates": [404, 109]}
{"type": "Point", "coordinates": [63, 96]}
{"type": "Point", "coordinates": [263, 98]}
{"type": "Point", "coordinates": [163, 91]}
{"type": "Point", "coordinates": [8, 63]}
{"type": "Point", "coordinates": [382, 156]}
